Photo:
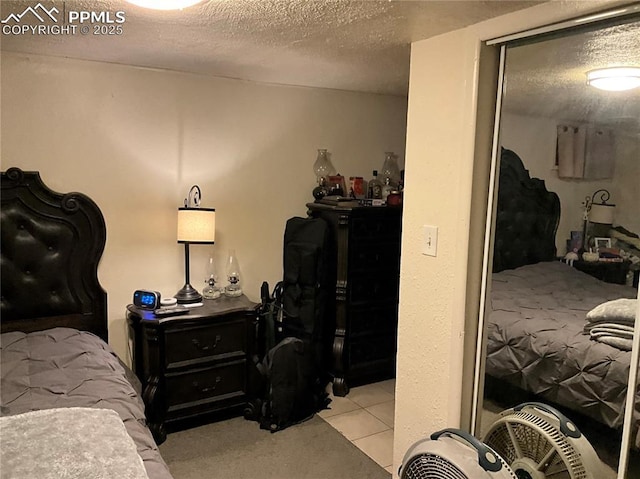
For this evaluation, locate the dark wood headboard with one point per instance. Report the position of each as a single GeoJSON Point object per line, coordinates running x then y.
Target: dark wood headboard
{"type": "Point", "coordinates": [527, 217]}
{"type": "Point", "coordinates": [51, 246]}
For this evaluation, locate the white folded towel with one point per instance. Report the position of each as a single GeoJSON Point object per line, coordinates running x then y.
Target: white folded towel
{"type": "Point", "coordinates": [621, 311]}
{"type": "Point", "coordinates": [609, 329]}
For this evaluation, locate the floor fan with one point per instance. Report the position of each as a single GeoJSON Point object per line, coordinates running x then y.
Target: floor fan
{"type": "Point", "coordinates": [453, 454]}
{"type": "Point", "coordinates": [529, 441]}
{"type": "Point", "coordinates": [539, 442]}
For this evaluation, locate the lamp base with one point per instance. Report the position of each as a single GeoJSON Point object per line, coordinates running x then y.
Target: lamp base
{"type": "Point", "coordinates": [188, 294]}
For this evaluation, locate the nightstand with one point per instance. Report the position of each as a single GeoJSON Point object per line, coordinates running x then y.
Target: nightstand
{"type": "Point", "coordinates": [196, 364]}
{"type": "Point", "coordinates": [609, 272]}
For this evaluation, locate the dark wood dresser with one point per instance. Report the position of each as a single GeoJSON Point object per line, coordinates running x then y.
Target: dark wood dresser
{"type": "Point", "coordinates": [367, 254]}
{"type": "Point", "coordinates": [194, 364]}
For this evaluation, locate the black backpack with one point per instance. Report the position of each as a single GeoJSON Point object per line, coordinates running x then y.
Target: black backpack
{"type": "Point", "coordinates": [292, 391]}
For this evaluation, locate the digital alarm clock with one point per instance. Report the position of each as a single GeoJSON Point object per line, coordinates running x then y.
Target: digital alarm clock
{"type": "Point", "coordinates": [145, 299]}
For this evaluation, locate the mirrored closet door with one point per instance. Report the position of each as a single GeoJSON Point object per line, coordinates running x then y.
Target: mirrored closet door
{"type": "Point", "coordinates": [563, 256]}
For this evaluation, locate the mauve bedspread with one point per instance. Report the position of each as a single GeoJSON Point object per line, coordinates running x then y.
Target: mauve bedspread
{"type": "Point", "coordinates": [64, 367]}
{"type": "Point", "coordinates": [536, 339]}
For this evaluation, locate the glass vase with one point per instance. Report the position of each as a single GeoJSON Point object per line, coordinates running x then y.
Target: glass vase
{"type": "Point", "coordinates": [322, 166]}
{"type": "Point", "coordinates": [390, 169]}
{"type": "Point", "coordinates": [233, 289]}
{"type": "Point", "coordinates": [211, 291]}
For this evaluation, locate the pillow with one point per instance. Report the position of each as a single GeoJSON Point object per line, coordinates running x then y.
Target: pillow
{"type": "Point", "coordinates": [622, 309]}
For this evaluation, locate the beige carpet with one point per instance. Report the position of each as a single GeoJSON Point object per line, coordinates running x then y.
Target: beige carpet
{"type": "Point", "coordinates": [239, 449]}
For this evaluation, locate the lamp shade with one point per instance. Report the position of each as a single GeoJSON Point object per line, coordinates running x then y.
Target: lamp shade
{"type": "Point", "coordinates": [196, 225]}
{"type": "Point", "coordinates": [601, 213]}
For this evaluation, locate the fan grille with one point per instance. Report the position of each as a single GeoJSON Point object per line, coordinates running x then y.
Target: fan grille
{"type": "Point", "coordinates": [431, 466]}
{"type": "Point", "coordinates": [525, 435]}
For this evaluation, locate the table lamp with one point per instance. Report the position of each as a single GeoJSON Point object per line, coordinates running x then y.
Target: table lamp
{"type": "Point", "coordinates": [196, 225]}
{"type": "Point", "coordinates": [598, 213]}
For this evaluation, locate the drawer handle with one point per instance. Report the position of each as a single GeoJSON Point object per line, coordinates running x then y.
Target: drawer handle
{"type": "Point", "coordinates": [207, 389]}
{"type": "Point", "coordinates": [206, 347]}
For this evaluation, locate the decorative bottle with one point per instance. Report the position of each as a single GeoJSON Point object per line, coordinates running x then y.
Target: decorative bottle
{"type": "Point", "coordinates": [375, 187]}
{"type": "Point", "coordinates": [336, 189]}
{"type": "Point", "coordinates": [390, 169]}
{"type": "Point", "coordinates": [233, 289]}
{"type": "Point", "coordinates": [321, 190]}
{"type": "Point", "coordinates": [211, 291]}
{"type": "Point", "coordinates": [386, 188]}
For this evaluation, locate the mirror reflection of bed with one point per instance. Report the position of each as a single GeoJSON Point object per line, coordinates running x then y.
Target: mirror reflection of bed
{"type": "Point", "coordinates": [559, 330]}
{"type": "Point", "coordinates": [537, 346]}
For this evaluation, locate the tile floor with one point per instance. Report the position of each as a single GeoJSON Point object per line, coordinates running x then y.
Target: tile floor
{"type": "Point", "coordinates": [365, 417]}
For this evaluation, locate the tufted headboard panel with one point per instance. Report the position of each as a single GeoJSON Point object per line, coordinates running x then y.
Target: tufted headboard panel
{"type": "Point", "coordinates": [527, 217]}
{"type": "Point", "coordinates": [50, 250]}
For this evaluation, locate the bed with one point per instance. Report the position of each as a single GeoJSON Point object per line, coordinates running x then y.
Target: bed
{"type": "Point", "coordinates": [538, 308]}
{"type": "Point", "coordinates": [68, 406]}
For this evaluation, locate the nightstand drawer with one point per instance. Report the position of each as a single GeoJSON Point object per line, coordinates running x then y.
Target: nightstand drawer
{"type": "Point", "coordinates": [206, 384]}
{"type": "Point", "coordinates": [221, 341]}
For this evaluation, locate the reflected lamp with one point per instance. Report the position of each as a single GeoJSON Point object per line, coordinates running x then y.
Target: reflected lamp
{"type": "Point", "coordinates": [599, 214]}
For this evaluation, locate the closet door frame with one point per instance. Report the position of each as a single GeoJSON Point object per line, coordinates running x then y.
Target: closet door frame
{"type": "Point", "coordinates": [594, 21]}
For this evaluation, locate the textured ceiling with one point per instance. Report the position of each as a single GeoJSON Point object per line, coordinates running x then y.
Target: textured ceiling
{"type": "Point", "coordinates": [548, 79]}
{"type": "Point", "coordinates": [341, 44]}
{"type": "Point", "coordinates": [350, 45]}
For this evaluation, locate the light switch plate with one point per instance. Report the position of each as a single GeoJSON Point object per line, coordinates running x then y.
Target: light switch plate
{"type": "Point", "coordinates": [430, 240]}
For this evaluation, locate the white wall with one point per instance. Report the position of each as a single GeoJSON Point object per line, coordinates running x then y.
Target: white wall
{"type": "Point", "coordinates": [135, 140]}
{"type": "Point", "coordinates": [439, 167]}
{"type": "Point", "coordinates": [624, 191]}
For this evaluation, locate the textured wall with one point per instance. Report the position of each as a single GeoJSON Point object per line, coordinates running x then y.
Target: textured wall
{"type": "Point", "coordinates": [441, 127]}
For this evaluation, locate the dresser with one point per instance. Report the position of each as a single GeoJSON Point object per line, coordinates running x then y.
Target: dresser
{"type": "Point", "coordinates": [196, 364]}
{"type": "Point", "coordinates": [366, 249]}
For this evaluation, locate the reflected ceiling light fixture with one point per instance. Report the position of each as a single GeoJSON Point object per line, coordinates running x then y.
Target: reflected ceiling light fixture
{"type": "Point", "coordinates": [614, 79]}
{"type": "Point", "coordinates": [165, 4]}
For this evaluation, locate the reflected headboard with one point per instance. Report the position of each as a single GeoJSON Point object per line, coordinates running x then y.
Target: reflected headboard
{"type": "Point", "coordinates": [50, 250]}
{"type": "Point", "coordinates": [527, 217]}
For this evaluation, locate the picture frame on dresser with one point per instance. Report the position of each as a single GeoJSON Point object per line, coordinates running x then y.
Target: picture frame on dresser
{"type": "Point", "coordinates": [602, 243]}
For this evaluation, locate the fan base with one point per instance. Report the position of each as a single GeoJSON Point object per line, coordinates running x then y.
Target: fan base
{"type": "Point", "coordinates": [525, 468]}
